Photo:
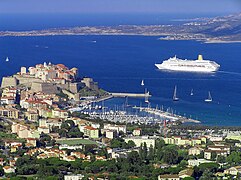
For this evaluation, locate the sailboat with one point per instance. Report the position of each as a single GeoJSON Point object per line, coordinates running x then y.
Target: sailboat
{"type": "Point", "coordinates": [7, 59]}
{"type": "Point", "coordinates": [209, 99]}
{"type": "Point", "coordinates": [191, 94]}
{"type": "Point", "coordinates": [126, 102]}
{"type": "Point", "coordinates": [175, 98]}
{"type": "Point", "coordinates": [142, 82]}
{"type": "Point", "coordinates": [146, 96]}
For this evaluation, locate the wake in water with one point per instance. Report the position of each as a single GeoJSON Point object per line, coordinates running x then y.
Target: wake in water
{"type": "Point", "coordinates": [228, 72]}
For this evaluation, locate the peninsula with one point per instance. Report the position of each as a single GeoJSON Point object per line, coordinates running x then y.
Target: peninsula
{"type": "Point", "coordinates": [218, 29]}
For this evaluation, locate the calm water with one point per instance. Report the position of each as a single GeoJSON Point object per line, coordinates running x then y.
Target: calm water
{"type": "Point", "coordinates": [119, 63]}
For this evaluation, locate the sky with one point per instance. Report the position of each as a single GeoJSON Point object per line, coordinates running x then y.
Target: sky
{"type": "Point", "coordinates": [120, 6]}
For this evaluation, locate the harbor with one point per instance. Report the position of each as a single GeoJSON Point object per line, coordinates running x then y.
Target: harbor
{"type": "Point", "coordinates": [167, 115]}
{"type": "Point", "coordinates": [124, 112]}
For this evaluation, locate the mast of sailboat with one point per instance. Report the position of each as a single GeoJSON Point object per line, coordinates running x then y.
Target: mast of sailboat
{"type": "Point", "coordinates": [156, 107]}
{"type": "Point", "coordinates": [209, 99]}
{"type": "Point", "coordinates": [209, 95]}
{"type": "Point", "coordinates": [191, 92]}
{"type": "Point", "coordinates": [126, 103]}
{"type": "Point", "coordinates": [175, 94]}
{"type": "Point", "coordinates": [146, 96]}
{"type": "Point", "coordinates": [142, 82]}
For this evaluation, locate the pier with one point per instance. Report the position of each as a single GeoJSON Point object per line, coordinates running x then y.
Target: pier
{"type": "Point", "coordinates": [167, 115]}
{"type": "Point", "coordinates": [134, 95]}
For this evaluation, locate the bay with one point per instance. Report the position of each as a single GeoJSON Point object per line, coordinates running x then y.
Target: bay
{"type": "Point", "coordinates": [119, 63]}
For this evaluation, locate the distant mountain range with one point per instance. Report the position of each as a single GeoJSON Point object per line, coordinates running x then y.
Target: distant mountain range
{"type": "Point", "coordinates": [226, 27]}
{"type": "Point", "coordinates": [218, 29]}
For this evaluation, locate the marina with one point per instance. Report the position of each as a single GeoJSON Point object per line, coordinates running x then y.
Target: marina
{"type": "Point", "coordinates": [167, 115]}
{"type": "Point", "coordinates": [127, 113]}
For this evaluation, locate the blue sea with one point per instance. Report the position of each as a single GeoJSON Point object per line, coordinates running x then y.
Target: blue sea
{"type": "Point", "coordinates": [119, 63]}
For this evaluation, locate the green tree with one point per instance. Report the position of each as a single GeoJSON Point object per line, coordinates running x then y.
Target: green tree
{"type": "Point", "coordinates": [70, 122]}
{"type": "Point", "coordinates": [44, 138]}
{"type": "Point", "coordinates": [183, 163]}
{"type": "Point", "coordinates": [159, 144]}
{"type": "Point", "coordinates": [182, 155]}
{"type": "Point", "coordinates": [170, 154]}
{"type": "Point", "coordinates": [63, 133]}
{"type": "Point", "coordinates": [118, 143]}
{"type": "Point", "coordinates": [221, 159]}
{"type": "Point", "coordinates": [151, 153]}
{"type": "Point", "coordinates": [74, 132]}
{"type": "Point", "coordinates": [207, 175]}
{"type": "Point", "coordinates": [143, 152]}
{"type": "Point", "coordinates": [26, 159]}
{"type": "Point", "coordinates": [65, 125]}
{"type": "Point", "coordinates": [131, 144]}
{"type": "Point", "coordinates": [234, 158]}
{"type": "Point", "coordinates": [213, 155]}
{"type": "Point", "coordinates": [133, 158]}
{"type": "Point", "coordinates": [212, 167]}
{"type": "Point", "coordinates": [112, 168]}
{"type": "Point", "coordinates": [1, 171]}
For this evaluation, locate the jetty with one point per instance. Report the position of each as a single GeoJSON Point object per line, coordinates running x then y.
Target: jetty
{"type": "Point", "coordinates": [134, 95]}
{"type": "Point", "coordinates": [167, 115]}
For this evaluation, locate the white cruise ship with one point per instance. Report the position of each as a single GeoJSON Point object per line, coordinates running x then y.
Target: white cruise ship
{"type": "Point", "coordinates": [199, 65]}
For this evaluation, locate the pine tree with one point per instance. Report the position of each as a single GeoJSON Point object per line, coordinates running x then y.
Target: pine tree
{"type": "Point", "coordinates": [145, 151]}
{"type": "Point", "coordinates": [151, 153]}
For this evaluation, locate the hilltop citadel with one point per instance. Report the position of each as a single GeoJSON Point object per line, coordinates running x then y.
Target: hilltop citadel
{"type": "Point", "coordinates": [49, 79]}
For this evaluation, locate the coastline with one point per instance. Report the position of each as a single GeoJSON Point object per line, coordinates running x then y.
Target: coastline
{"type": "Point", "coordinates": [192, 36]}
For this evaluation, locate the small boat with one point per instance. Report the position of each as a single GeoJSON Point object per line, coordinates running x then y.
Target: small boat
{"type": "Point", "coordinates": [146, 96]}
{"type": "Point", "coordinates": [7, 59]}
{"type": "Point", "coordinates": [142, 82]}
{"type": "Point", "coordinates": [146, 100]}
{"type": "Point", "coordinates": [209, 99]}
{"type": "Point", "coordinates": [191, 94]}
{"type": "Point", "coordinates": [175, 98]}
{"type": "Point", "coordinates": [126, 102]}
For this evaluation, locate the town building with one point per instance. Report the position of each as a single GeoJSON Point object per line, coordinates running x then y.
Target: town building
{"type": "Point", "coordinates": [195, 151]}
{"type": "Point", "coordinates": [168, 177]}
{"type": "Point", "coordinates": [110, 134]}
{"type": "Point", "coordinates": [73, 177]}
{"type": "Point", "coordinates": [8, 169]}
{"type": "Point", "coordinates": [233, 171]}
{"type": "Point", "coordinates": [9, 112]}
{"type": "Point", "coordinates": [138, 140]}
{"type": "Point", "coordinates": [115, 127]}
{"type": "Point", "coordinates": [180, 141]}
{"type": "Point", "coordinates": [91, 132]}
{"type": "Point", "coordinates": [220, 150]}
{"type": "Point", "coordinates": [197, 162]}
{"type": "Point", "coordinates": [136, 132]}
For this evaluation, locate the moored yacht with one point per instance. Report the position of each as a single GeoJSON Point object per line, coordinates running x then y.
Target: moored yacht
{"type": "Point", "coordinates": [209, 99]}
{"type": "Point", "coordinates": [175, 98]}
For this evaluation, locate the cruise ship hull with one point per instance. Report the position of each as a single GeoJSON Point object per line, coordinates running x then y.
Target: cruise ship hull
{"type": "Point", "coordinates": [184, 69]}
